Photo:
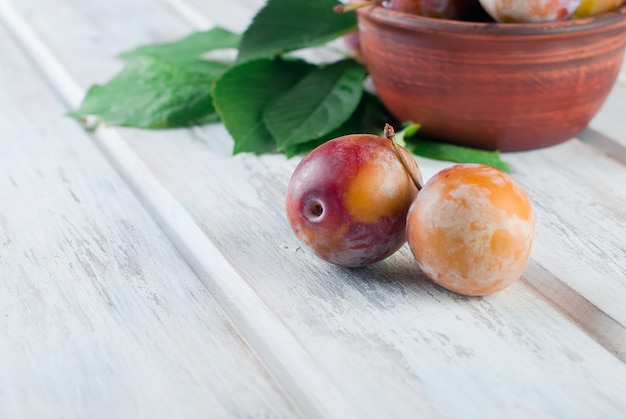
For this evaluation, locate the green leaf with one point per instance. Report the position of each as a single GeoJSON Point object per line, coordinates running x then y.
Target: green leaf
{"type": "Point", "coordinates": [369, 118]}
{"type": "Point", "coordinates": [319, 103]}
{"type": "Point", "coordinates": [187, 51]}
{"type": "Point", "coordinates": [151, 92]}
{"type": "Point", "coordinates": [456, 153]}
{"type": "Point", "coordinates": [286, 25]}
{"type": "Point", "coordinates": [241, 94]}
{"type": "Point", "coordinates": [408, 130]}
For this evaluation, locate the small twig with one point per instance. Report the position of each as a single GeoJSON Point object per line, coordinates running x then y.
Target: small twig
{"type": "Point", "coordinates": [390, 134]}
{"type": "Point", "coordinates": [342, 8]}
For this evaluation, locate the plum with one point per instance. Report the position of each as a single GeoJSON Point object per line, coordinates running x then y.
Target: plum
{"type": "Point", "coordinates": [528, 11]}
{"type": "Point", "coordinates": [596, 7]}
{"type": "Point", "coordinates": [471, 229]}
{"type": "Point", "coordinates": [443, 9]}
{"type": "Point", "coordinates": [348, 199]}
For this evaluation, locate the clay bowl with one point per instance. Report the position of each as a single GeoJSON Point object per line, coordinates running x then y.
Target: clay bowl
{"type": "Point", "coordinates": [496, 86]}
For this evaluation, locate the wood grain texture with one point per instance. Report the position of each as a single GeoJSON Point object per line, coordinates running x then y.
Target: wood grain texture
{"type": "Point", "coordinates": [393, 343]}
{"type": "Point", "coordinates": [100, 316]}
{"type": "Point", "coordinates": [313, 393]}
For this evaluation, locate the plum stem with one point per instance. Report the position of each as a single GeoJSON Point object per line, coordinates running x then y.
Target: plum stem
{"type": "Point", "coordinates": [390, 134]}
{"type": "Point", "coordinates": [341, 8]}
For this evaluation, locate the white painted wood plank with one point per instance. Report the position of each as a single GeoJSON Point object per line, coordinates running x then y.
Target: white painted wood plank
{"type": "Point", "coordinates": [99, 315]}
{"type": "Point", "coordinates": [118, 29]}
{"type": "Point", "coordinates": [232, 15]}
{"type": "Point", "coordinates": [272, 342]}
{"type": "Point", "coordinates": [391, 341]}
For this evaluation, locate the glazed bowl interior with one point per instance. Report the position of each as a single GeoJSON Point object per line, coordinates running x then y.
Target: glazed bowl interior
{"type": "Point", "coordinates": [504, 86]}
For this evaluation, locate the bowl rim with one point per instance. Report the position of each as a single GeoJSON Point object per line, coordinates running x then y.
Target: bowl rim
{"type": "Point", "coordinates": [423, 23]}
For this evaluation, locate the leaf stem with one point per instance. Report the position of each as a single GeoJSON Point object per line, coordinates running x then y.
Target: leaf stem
{"type": "Point", "coordinates": [342, 8]}
{"type": "Point", "coordinates": [390, 134]}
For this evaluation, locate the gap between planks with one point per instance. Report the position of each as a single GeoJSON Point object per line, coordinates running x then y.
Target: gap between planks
{"type": "Point", "coordinates": [606, 145]}
{"type": "Point", "coordinates": [310, 390]}
{"type": "Point", "coordinates": [601, 327]}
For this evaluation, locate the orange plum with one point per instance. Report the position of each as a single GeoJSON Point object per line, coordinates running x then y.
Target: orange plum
{"type": "Point", "coordinates": [527, 11]}
{"type": "Point", "coordinates": [471, 229]}
{"type": "Point", "coordinates": [596, 7]}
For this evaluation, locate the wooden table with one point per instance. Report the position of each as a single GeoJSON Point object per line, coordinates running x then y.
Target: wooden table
{"type": "Point", "coordinates": [151, 274]}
